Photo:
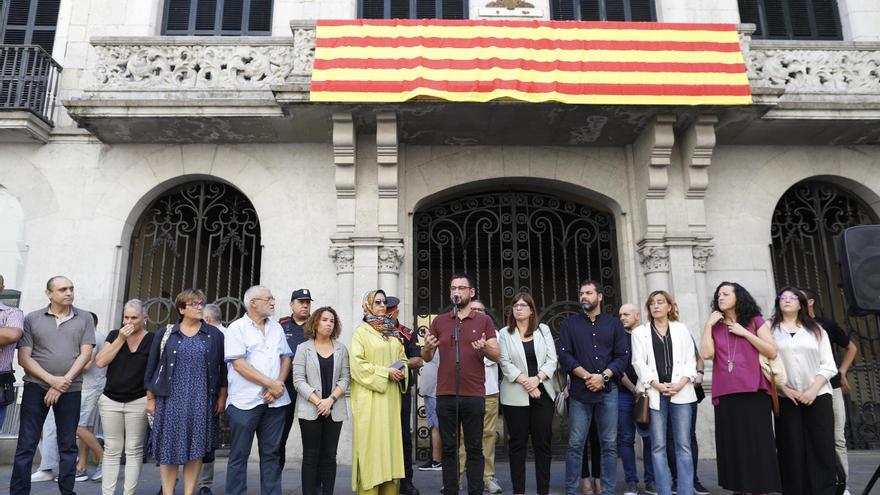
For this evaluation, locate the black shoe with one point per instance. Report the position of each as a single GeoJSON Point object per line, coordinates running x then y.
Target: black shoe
{"type": "Point", "coordinates": [699, 489]}
{"type": "Point", "coordinates": [205, 491]}
{"type": "Point", "coordinates": [431, 465]}
{"type": "Point", "coordinates": [407, 488]}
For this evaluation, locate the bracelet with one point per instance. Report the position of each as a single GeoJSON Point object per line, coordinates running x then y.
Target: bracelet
{"type": "Point", "coordinates": [700, 372]}
{"type": "Point", "coordinates": [333, 398]}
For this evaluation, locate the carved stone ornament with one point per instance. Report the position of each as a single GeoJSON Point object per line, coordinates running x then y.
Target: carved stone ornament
{"type": "Point", "coordinates": [390, 259]}
{"type": "Point", "coordinates": [303, 49]}
{"type": "Point", "coordinates": [159, 64]}
{"type": "Point", "coordinates": [511, 4]}
{"type": "Point", "coordinates": [701, 257]}
{"type": "Point", "coordinates": [654, 258]}
{"type": "Point", "coordinates": [816, 70]}
{"type": "Point", "coordinates": [343, 256]}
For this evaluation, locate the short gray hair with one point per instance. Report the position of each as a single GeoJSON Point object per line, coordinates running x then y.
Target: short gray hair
{"type": "Point", "coordinates": [251, 293]}
{"type": "Point", "coordinates": [211, 311]}
{"type": "Point", "coordinates": [135, 304]}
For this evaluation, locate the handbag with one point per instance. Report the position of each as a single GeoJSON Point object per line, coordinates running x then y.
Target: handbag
{"type": "Point", "coordinates": [161, 350]}
{"type": "Point", "coordinates": [562, 396]}
{"type": "Point", "coordinates": [7, 388]}
{"type": "Point", "coordinates": [641, 409]}
{"type": "Point", "coordinates": [774, 370]}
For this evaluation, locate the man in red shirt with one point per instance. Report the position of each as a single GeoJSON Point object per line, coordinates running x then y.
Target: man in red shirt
{"type": "Point", "coordinates": [461, 387]}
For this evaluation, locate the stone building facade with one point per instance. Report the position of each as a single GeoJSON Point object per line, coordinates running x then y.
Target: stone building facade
{"type": "Point", "coordinates": [340, 196]}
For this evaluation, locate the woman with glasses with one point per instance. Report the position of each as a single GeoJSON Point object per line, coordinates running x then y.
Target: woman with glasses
{"type": "Point", "coordinates": [528, 362]}
{"type": "Point", "coordinates": [805, 425]}
{"type": "Point", "coordinates": [733, 337]}
{"type": "Point", "coordinates": [122, 405]}
{"type": "Point", "coordinates": [321, 377]}
{"type": "Point", "coordinates": [378, 378]}
{"type": "Point", "coordinates": [664, 360]}
{"type": "Point", "coordinates": [186, 391]}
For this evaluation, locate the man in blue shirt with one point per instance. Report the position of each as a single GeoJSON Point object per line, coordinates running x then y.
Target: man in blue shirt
{"type": "Point", "coordinates": [594, 351]}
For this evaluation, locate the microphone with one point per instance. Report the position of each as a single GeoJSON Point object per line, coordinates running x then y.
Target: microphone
{"type": "Point", "coordinates": [456, 301]}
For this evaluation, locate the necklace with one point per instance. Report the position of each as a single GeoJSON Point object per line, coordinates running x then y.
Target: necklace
{"type": "Point", "coordinates": [667, 349]}
{"type": "Point", "coordinates": [730, 357]}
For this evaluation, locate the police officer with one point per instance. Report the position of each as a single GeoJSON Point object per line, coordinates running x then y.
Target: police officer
{"type": "Point", "coordinates": [300, 309]}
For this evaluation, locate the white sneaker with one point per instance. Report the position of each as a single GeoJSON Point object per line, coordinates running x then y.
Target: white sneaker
{"type": "Point", "coordinates": [42, 475]}
{"type": "Point", "coordinates": [846, 491]}
{"type": "Point", "coordinates": [99, 473]}
{"type": "Point", "coordinates": [490, 485]}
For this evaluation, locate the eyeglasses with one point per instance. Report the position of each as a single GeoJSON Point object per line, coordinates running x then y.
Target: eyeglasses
{"type": "Point", "coordinates": [460, 288]}
{"type": "Point", "coordinates": [788, 298]}
{"type": "Point", "coordinates": [520, 306]}
{"type": "Point", "coordinates": [379, 302]}
{"type": "Point", "coordinates": [269, 299]}
{"type": "Point", "coordinates": [196, 304]}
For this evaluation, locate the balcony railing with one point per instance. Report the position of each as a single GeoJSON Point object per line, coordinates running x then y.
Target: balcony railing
{"type": "Point", "coordinates": [28, 80]}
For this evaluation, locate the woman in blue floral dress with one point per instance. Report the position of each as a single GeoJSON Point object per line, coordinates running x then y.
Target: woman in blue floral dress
{"type": "Point", "coordinates": [186, 391]}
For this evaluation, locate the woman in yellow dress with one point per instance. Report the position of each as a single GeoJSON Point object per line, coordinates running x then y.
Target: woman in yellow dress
{"type": "Point", "coordinates": [378, 374]}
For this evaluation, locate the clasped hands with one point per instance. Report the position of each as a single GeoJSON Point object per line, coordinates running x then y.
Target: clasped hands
{"type": "Point", "coordinates": [274, 392]}
{"type": "Point", "coordinates": [531, 385]}
{"type": "Point", "coordinates": [57, 386]}
{"type": "Point", "coordinates": [806, 397]}
{"type": "Point", "coordinates": [667, 389]}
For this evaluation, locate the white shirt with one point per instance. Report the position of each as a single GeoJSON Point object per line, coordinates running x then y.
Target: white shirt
{"type": "Point", "coordinates": [804, 358]}
{"type": "Point", "coordinates": [263, 351]}
{"type": "Point", "coordinates": [491, 376]}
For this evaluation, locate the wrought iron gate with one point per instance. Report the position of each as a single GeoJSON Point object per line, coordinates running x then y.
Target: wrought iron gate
{"type": "Point", "coordinates": [807, 223]}
{"type": "Point", "coordinates": [509, 242]}
{"type": "Point", "coordinates": [203, 235]}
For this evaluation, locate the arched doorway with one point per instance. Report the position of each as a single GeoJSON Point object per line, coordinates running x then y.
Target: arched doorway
{"type": "Point", "coordinates": [807, 224]}
{"type": "Point", "coordinates": [200, 234]}
{"type": "Point", "coordinates": [512, 240]}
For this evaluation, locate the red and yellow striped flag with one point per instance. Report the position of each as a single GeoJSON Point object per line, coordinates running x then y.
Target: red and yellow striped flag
{"type": "Point", "coordinates": [621, 63]}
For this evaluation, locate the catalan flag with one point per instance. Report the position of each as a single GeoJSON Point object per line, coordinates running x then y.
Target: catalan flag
{"type": "Point", "coordinates": [616, 63]}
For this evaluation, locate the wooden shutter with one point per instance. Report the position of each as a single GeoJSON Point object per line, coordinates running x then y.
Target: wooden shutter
{"type": "Point", "coordinates": [642, 10]}
{"type": "Point", "coordinates": [590, 10]}
{"type": "Point", "coordinates": [748, 13]}
{"type": "Point", "coordinates": [455, 9]}
{"type": "Point", "coordinates": [30, 22]}
{"type": "Point", "coordinates": [399, 9]}
{"type": "Point", "coordinates": [372, 9]}
{"type": "Point", "coordinates": [562, 10]}
{"type": "Point", "coordinates": [827, 20]}
{"type": "Point", "coordinates": [177, 15]}
{"type": "Point", "coordinates": [615, 10]}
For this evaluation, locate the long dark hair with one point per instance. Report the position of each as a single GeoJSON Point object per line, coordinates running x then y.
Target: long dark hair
{"type": "Point", "coordinates": [533, 318]}
{"type": "Point", "coordinates": [803, 316]}
{"type": "Point", "coordinates": [746, 307]}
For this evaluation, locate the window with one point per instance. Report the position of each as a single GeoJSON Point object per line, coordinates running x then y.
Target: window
{"type": "Point", "coordinates": [792, 19]}
{"type": "Point", "coordinates": [413, 9]}
{"type": "Point", "coordinates": [602, 10]}
{"type": "Point", "coordinates": [217, 18]}
{"type": "Point", "coordinates": [29, 22]}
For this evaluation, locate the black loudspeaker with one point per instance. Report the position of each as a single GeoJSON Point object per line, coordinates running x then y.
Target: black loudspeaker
{"type": "Point", "coordinates": [860, 268]}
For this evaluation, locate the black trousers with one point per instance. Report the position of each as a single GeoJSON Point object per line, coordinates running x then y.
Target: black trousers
{"type": "Point", "coordinates": [805, 446]}
{"type": "Point", "coordinates": [320, 438]}
{"type": "Point", "coordinates": [592, 447]}
{"type": "Point", "coordinates": [470, 420]}
{"type": "Point", "coordinates": [289, 411]}
{"type": "Point", "coordinates": [536, 421]}
{"type": "Point", "coordinates": [405, 423]}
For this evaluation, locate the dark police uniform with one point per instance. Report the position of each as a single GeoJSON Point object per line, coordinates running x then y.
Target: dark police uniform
{"type": "Point", "coordinates": [295, 336]}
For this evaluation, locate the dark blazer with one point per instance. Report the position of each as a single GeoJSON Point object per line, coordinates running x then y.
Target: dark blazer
{"type": "Point", "coordinates": [157, 378]}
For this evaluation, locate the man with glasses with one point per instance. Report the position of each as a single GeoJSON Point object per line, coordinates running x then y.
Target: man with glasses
{"type": "Point", "coordinates": [300, 310]}
{"type": "Point", "coordinates": [56, 344]}
{"type": "Point", "coordinates": [593, 350]}
{"type": "Point", "coordinates": [258, 360]}
{"type": "Point", "coordinates": [461, 393]}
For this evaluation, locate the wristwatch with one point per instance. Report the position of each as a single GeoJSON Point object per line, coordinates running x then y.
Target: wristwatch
{"type": "Point", "coordinates": [605, 377]}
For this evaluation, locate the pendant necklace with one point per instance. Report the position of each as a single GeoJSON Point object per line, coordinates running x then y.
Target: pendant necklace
{"type": "Point", "coordinates": [730, 357]}
{"type": "Point", "coordinates": [667, 354]}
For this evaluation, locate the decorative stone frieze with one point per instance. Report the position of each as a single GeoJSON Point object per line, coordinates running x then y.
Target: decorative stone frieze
{"type": "Point", "coordinates": [343, 257]}
{"type": "Point", "coordinates": [654, 258]}
{"type": "Point", "coordinates": [390, 259]}
{"type": "Point", "coordinates": [816, 68]}
{"type": "Point", "coordinates": [303, 48]}
{"type": "Point", "coordinates": [701, 257]}
{"type": "Point", "coordinates": [200, 63]}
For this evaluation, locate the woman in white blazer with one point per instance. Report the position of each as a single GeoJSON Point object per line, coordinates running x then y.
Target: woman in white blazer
{"type": "Point", "coordinates": [321, 377]}
{"type": "Point", "coordinates": [528, 362]}
{"type": "Point", "coordinates": [664, 359]}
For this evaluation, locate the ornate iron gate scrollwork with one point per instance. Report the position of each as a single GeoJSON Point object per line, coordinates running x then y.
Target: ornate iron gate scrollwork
{"type": "Point", "coordinates": [512, 241]}
{"type": "Point", "coordinates": [807, 224]}
{"type": "Point", "coordinates": [202, 235]}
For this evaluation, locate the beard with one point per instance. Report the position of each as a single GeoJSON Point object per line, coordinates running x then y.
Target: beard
{"type": "Point", "coordinates": [589, 306]}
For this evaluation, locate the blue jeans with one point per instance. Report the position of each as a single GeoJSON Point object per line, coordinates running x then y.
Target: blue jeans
{"type": "Point", "coordinates": [268, 424]}
{"type": "Point", "coordinates": [695, 450]}
{"type": "Point", "coordinates": [679, 415]}
{"type": "Point", "coordinates": [2, 415]}
{"type": "Point", "coordinates": [33, 414]}
{"type": "Point", "coordinates": [579, 416]}
{"type": "Point", "coordinates": [626, 427]}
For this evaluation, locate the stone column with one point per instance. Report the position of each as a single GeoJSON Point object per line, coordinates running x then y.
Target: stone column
{"type": "Point", "coordinates": [655, 264]}
{"type": "Point", "coordinates": [704, 293]}
{"type": "Point", "coordinates": [390, 260]}
{"type": "Point", "coordinates": [343, 258]}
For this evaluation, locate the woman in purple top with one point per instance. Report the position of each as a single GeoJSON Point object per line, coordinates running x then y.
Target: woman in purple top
{"type": "Point", "coordinates": [733, 337]}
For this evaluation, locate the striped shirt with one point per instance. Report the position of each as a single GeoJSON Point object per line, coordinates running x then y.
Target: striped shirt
{"type": "Point", "coordinates": [9, 317]}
